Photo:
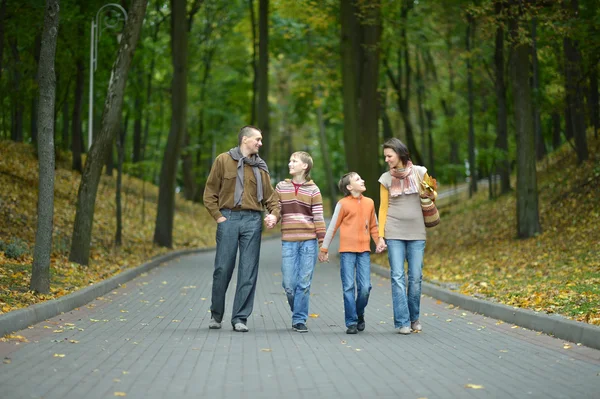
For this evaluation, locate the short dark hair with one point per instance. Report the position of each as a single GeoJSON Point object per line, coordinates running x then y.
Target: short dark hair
{"type": "Point", "coordinates": [344, 181]}
{"type": "Point", "coordinates": [399, 148]}
{"type": "Point", "coordinates": [246, 131]}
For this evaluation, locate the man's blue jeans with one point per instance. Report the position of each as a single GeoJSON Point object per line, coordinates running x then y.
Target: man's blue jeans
{"type": "Point", "coordinates": [355, 266]}
{"type": "Point", "coordinates": [297, 266]}
{"type": "Point", "coordinates": [242, 230]}
{"type": "Point", "coordinates": [406, 304]}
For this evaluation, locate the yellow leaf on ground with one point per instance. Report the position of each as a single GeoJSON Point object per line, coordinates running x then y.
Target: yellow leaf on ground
{"type": "Point", "coordinates": [59, 355]}
{"type": "Point", "coordinates": [313, 315]}
{"type": "Point", "coordinates": [266, 350]}
{"type": "Point", "coordinates": [120, 394]}
{"type": "Point", "coordinates": [473, 386]}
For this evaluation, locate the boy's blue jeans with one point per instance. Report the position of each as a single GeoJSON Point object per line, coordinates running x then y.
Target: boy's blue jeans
{"type": "Point", "coordinates": [407, 302]}
{"type": "Point", "coordinates": [355, 267]}
{"type": "Point", "coordinates": [297, 266]}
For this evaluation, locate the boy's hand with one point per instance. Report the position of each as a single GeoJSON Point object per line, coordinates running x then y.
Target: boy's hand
{"type": "Point", "coordinates": [323, 257]}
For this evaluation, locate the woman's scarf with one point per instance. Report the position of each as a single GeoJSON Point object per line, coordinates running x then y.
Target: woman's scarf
{"type": "Point", "coordinates": [257, 163]}
{"type": "Point", "coordinates": [404, 181]}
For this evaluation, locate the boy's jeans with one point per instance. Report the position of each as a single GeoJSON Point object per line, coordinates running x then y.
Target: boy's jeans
{"type": "Point", "coordinates": [297, 266]}
{"type": "Point", "coordinates": [355, 298]}
{"type": "Point", "coordinates": [406, 305]}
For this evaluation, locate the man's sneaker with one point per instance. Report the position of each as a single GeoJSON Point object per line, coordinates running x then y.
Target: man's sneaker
{"type": "Point", "coordinates": [214, 325]}
{"type": "Point", "coordinates": [240, 327]}
{"type": "Point", "coordinates": [300, 327]}
{"type": "Point", "coordinates": [404, 330]}
{"type": "Point", "coordinates": [416, 325]}
{"type": "Point", "coordinates": [352, 329]}
{"type": "Point", "coordinates": [361, 323]}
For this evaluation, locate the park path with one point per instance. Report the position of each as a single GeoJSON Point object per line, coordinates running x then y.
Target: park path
{"type": "Point", "coordinates": [150, 339]}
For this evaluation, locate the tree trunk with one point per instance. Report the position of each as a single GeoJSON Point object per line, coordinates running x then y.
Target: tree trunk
{"type": "Point", "coordinates": [421, 107]}
{"type": "Point", "coordinates": [471, 100]}
{"type": "Point", "coordinates": [503, 165]}
{"type": "Point", "coordinates": [574, 89]}
{"type": "Point", "coordinates": [37, 44]}
{"type": "Point", "coordinates": [263, 78]}
{"type": "Point", "coordinates": [187, 158]}
{"type": "Point", "coordinates": [331, 186]}
{"type": "Point", "coordinates": [528, 221]}
{"type": "Point", "coordinates": [540, 145]}
{"type": "Point", "coordinates": [594, 103]}
{"type": "Point", "coordinates": [111, 115]}
{"type": "Point", "coordinates": [360, 47]}
{"type": "Point", "coordinates": [76, 133]}
{"type": "Point", "coordinates": [254, 66]}
{"type": "Point", "coordinates": [163, 233]}
{"type": "Point", "coordinates": [120, 158]}
{"type": "Point", "coordinates": [40, 274]}
{"type": "Point", "coordinates": [555, 130]}
{"type": "Point", "coordinates": [2, 15]}
{"type": "Point", "coordinates": [137, 124]}
{"type": "Point", "coordinates": [17, 114]}
{"type": "Point", "coordinates": [64, 141]}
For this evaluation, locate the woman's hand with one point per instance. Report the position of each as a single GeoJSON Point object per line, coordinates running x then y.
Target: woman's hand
{"type": "Point", "coordinates": [323, 257]}
{"type": "Point", "coordinates": [381, 245]}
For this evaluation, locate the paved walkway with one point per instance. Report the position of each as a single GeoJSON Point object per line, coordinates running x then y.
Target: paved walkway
{"type": "Point", "coordinates": [150, 339]}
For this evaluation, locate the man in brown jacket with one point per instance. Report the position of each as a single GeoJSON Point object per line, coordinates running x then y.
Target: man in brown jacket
{"type": "Point", "coordinates": [237, 190]}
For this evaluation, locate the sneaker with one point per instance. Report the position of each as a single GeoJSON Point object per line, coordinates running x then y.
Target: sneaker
{"type": "Point", "coordinates": [404, 330]}
{"type": "Point", "coordinates": [214, 325]}
{"type": "Point", "coordinates": [240, 327]}
{"type": "Point", "coordinates": [352, 329]}
{"type": "Point", "coordinates": [416, 326]}
{"type": "Point", "coordinates": [300, 327]}
{"type": "Point", "coordinates": [361, 323]}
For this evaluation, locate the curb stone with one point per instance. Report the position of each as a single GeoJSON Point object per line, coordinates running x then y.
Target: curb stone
{"type": "Point", "coordinates": [22, 318]}
{"type": "Point", "coordinates": [555, 325]}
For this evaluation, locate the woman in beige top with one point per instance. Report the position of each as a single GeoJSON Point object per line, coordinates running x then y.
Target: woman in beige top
{"type": "Point", "coordinates": [402, 232]}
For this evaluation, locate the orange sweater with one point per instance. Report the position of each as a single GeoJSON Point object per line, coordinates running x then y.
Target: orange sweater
{"type": "Point", "coordinates": [355, 217]}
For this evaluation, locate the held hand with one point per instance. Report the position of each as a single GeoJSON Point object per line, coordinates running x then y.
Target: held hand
{"type": "Point", "coordinates": [323, 257]}
{"type": "Point", "coordinates": [270, 221]}
{"type": "Point", "coordinates": [381, 245]}
{"type": "Point", "coordinates": [221, 219]}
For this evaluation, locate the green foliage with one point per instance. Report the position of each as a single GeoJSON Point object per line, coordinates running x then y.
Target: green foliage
{"type": "Point", "coordinates": [15, 248]}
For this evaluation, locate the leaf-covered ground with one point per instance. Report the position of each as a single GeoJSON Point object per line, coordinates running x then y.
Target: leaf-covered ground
{"type": "Point", "coordinates": [475, 250]}
{"type": "Point", "coordinates": [18, 198]}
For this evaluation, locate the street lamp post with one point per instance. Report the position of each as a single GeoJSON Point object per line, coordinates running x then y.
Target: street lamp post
{"type": "Point", "coordinates": [95, 34]}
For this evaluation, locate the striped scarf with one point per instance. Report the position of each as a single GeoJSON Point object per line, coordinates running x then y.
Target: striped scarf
{"type": "Point", "coordinates": [404, 181]}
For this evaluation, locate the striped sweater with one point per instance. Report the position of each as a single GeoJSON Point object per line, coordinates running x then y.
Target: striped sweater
{"type": "Point", "coordinates": [301, 212]}
{"type": "Point", "coordinates": [355, 217]}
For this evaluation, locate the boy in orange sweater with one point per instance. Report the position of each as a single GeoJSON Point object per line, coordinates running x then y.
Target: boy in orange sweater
{"type": "Point", "coordinates": [354, 215]}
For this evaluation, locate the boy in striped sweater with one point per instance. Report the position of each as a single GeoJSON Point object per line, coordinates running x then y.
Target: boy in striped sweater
{"type": "Point", "coordinates": [355, 216]}
{"type": "Point", "coordinates": [302, 231]}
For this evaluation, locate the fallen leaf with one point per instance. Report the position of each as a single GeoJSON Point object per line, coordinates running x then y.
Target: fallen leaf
{"type": "Point", "coordinates": [57, 331]}
{"type": "Point", "coordinates": [343, 342]}
{"type": "Point", "coordinates": [515, 327]}
{"type": "Point", "coordinates": [266, 350]}
{"type": "Point", "coordinates": [73, 341]}
{"type": "Point", "coordinates": [120, 394]}
{"type": "Point", "coordinates": [6, 360]}
{"type": "Point", "coordinates": [313, 315]}
{"type": "Point", "coordinates": [59, 355]}
{"type": "Point", "coordinates": [566, 346]}
{"type": "Point", "coordinates": [473, 386]}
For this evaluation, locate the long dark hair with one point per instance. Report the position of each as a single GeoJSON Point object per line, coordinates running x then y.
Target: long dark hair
{"type": "Point", "coordinates": [399, 148]}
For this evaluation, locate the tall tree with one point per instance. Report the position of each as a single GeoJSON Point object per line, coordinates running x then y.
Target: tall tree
{"type": "Point", "coordinates": [470, 33]}
{"type": "Point", "coordinates": [574, 83]}
{"type": "Point", "coordinates": [540, 145]}
{"type": "Point", "coordinates": [360, 48]}
{"type": "Point", "coordinates": [263, 77]}
{"type": "Point", "coordinates": [40, 274]}
{"type": "Point", "coordinates": [254, 66]}
{"type": "Point", "coordinates": [2, 24]}
{"type": "Point", "coordinates": [76, 131]}
{"type": "Point", "coordinates": [528, 220]}
{"type": "Point", "coordinates": [111, 117]}
{"type": "Point", "coordinates": [163, 232]}
{"type": "Point", "coordinates": [503, 165]}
